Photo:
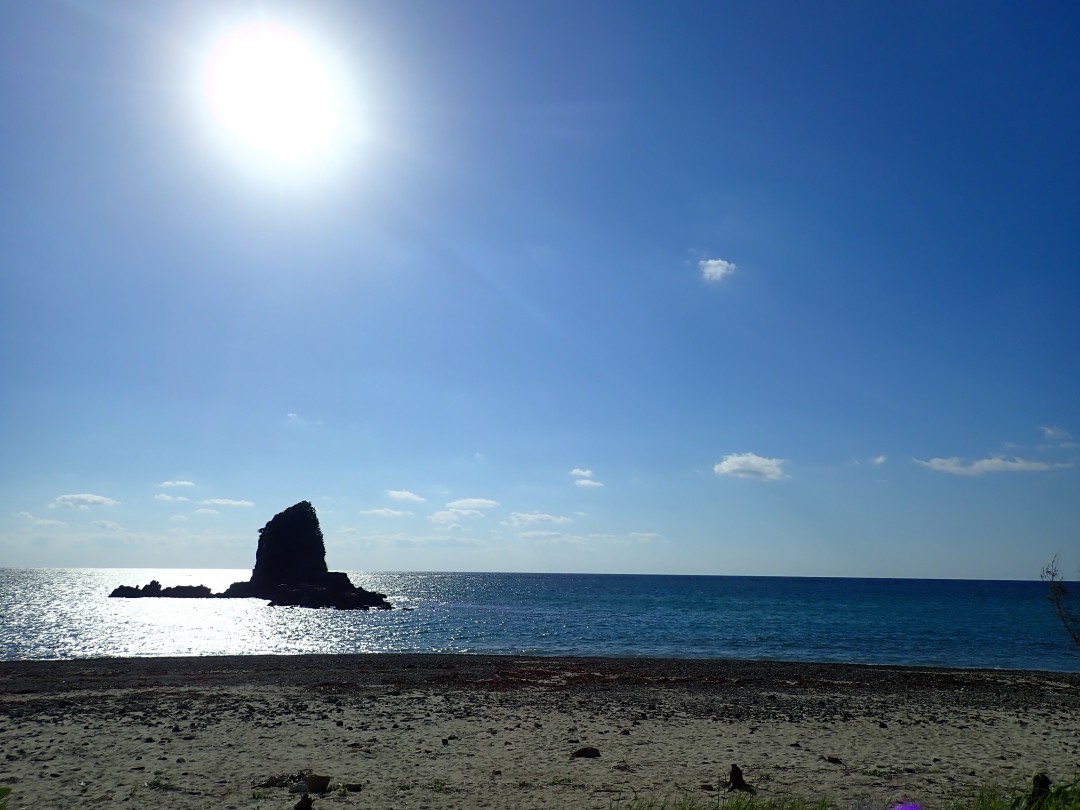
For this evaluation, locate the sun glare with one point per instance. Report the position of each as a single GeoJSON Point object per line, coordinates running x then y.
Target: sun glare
{"type": "Point", "coordinates": [276, 96]}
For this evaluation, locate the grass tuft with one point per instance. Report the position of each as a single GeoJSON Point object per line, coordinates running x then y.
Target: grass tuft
{"type": "Point", "coordinates": [1060, 797]}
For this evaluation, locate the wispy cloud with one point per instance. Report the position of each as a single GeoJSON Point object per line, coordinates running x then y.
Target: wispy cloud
{"type": "Point", "coordinates": [108, 526]}
{"type": "Point", "coordinates": [453, 515]}
{"type": "Point", "coordinates": [404, 495]}
{"type": "Point", "coordinates": [530, 518]}
{"type": "Point", "coordinates": [879, 460]}
{"type": "Point", "coordinates": [473, 503]}
{"type": "Point", "coordinates": [177, 484]}
{"type": "Point", "coordinates": [206, 511]}
{"type": "Point", "coordinates": [226, 502]}
{"type": "Point", "coordinates": [955, 466]}
{"type": "Point", "coordinates": [751, 465]}
{"type": "Point", "coordinates": [585, 478]}
{"type": "Point", "coordinates": [716, 269]}
{"type": "Point", "coordinates": [384, 512]}
{"type": "Point", "coordinates": [161, 496]}
{"type": "Point", "coordinates": [38, 521]}
{"type": "Point", "coordinates": [537, 534]}
{"type": "Point", "coordinates": [1055, 434]}
{"type": "Point", "coordinates": [82, 501]}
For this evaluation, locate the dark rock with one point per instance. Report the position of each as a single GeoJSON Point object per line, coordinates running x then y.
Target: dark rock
{"type": "Point", "coordinates": [588, 752]}
{"type": "Point", "coordinates": [317, 784]}
{"type": "Point", "coordinates": [290, 567]}
{"type": "Point", "coordinates": [736, 780]}
{"type": "Point", "coordinates": [305, 803]}
{"type": "Point", "coordinates": [153, 588]}
{"type": "Point", "coordinates": [1040, 790]}
{"type": "Point", "coordinates": [834, 760]}
{"type": "Point", "coordinates": [290, 570]}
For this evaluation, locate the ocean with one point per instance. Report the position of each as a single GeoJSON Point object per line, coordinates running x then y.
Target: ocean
{"type": "Point", "coordinates": [66, 614]}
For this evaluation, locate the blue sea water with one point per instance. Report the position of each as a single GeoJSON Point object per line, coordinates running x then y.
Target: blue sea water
{"type": "Point", "coordinates": [66, 613]}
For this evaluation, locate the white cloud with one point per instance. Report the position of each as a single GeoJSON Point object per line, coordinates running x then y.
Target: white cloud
{"type": "Point", "coordinates": [536, 534]}
{"type": "Point", "coordinates": [179, 518]}
{"type": "Point", "coordinates": [38, 521]}
{"type": "Point", "coordinates": [452, 515]}
{"type": "Point", "coordinates": [954, 466]}
{"type": "Point", "coordinates": [384, 512]}
{"type": "Point", "coordinates": [1055, 433]}
{"type": "Point", "coordinates": [108, 525]}
{"type": "Point", "coordinates": [206, 511]}
{"type": "Point", "coordinates": [177, 484]}
{"type": "Point", "coordinates": [404, 495]}
{"type": "Point", "coordinates": [751, 465]}
{"type": "Point", "coordinates": [643, 537]}
{"type": "Point", "coordinates": [584, 478]}
{"type": "Point", "coordinates": [82, 501]}
{"type": "Point", "coordinates": [225, 502]}
{"type": "Point", "coordinates": [473, 503]}
{"type": "Point", "coordinates": [716, 269]}
{"type": "Point", "coordinates": [161, 496]}
{"type": "Point", "coordinates": [879, 460]}
{"type": "Point", "coordinates": [529, 518]}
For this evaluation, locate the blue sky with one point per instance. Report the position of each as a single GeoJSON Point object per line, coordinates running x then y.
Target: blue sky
{"type": "Point", "coordinates": [723, 288]}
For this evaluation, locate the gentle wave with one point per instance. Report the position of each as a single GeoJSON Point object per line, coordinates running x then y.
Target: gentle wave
{"type": "Point", "coordinates": [66, 613]}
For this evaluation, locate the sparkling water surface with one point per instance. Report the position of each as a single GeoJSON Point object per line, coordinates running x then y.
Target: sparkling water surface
{"type": "Point", "coordinates": [66, 613]}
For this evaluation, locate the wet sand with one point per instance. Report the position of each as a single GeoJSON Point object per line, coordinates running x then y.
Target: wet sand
{"type": "Point", "coordinates": [441, 731]}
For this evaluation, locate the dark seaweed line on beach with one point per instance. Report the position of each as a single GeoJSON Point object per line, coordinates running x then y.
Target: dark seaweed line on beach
{"type": "Point", "coordinates": [1015, 688]}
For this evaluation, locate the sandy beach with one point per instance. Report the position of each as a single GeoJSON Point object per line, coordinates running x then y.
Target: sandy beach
{"type": "Point", "coordinates": [407, 731]}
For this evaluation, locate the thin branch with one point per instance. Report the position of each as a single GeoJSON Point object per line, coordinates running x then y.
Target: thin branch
{"type": "Point", "coordinates": [1059, 598]}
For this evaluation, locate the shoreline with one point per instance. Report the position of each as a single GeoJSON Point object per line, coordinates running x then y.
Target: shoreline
{"type": "Point", "coordinates": [442, 730]}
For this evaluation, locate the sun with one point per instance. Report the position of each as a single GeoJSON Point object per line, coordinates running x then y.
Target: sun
{"type": "Point", "coordinates": [275, 96]}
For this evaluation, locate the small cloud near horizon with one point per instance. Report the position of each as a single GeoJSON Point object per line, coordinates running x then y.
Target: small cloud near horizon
{"type": "Point", "coordinates": [206, 511]}
{"type": "Point", "coordinates": [529, 518]}
{"type": "Point", "coordinates": [161, 496]}
{"type": "Point", "coordinates": [751, 465]}
{"type": "Point", "coordinates": [954, 466]}
{"type": "Point", "coordinates": [404, 495]}
{"type": "Point", "coordinates": [81, 501]}
{"type": "Point", "coordinates": [453, 515]}
{"type": "Point", "coordinates": [177, 484]}
{"type": "Point", "coordinates": [716, 269]}
{"type": "Point", "coordinates": [879, 460]}
{"type": "Point", "coordinates": [226, 502]}
{"type": "Point", "coordinates": [473, 503]}
{"type": "Point", "coordinates": [588, 482]}
{"type": "Point", "coordinates": [108, 526]}
{"type": "Point", "coordinates": [385, 512]}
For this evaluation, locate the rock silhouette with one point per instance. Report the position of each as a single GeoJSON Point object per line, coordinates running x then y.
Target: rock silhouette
{"type": "Point", "coordinates": [290, 569]}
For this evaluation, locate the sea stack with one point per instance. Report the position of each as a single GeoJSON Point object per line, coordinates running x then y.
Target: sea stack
{"type": "Point", "coordinates": [290, 569]}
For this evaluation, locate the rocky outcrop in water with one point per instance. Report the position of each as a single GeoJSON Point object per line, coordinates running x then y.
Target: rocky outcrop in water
{"type": "Point", "coordinates": [290, 569]}
{"type": "Point", "coordinates": [153, 588]}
